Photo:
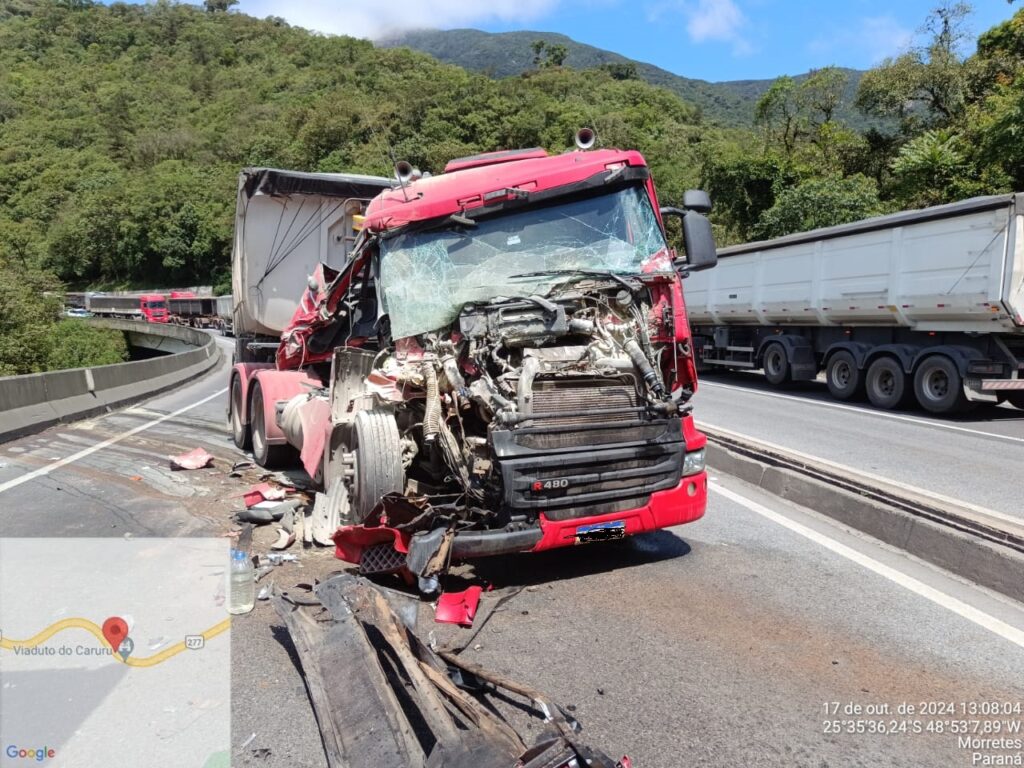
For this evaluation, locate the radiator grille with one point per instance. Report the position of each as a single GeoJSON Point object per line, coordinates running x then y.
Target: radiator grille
{"type": "Point", "coordinates": [557, 396]}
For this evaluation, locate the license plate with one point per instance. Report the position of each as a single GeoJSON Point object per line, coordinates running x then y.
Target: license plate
{"type": "Point", "coordinates": [601, 532]}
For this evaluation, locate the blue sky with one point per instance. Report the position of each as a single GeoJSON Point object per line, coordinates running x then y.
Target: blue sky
{"type": "Point", "coordinates": [709, 39]}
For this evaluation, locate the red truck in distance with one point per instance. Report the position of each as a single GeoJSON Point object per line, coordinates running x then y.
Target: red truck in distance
{"type": "Point", "coordinates": [493, 359]}
{"type": "Point", "coordinates": [151, 307]}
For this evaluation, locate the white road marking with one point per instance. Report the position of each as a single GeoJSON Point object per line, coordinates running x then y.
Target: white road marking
{"type": "Point", "coordinates": [100, 446]}
{"type": "Point", "coordinates": [866, 412]}
{"type": "Point", "coordinates": [960, 608]}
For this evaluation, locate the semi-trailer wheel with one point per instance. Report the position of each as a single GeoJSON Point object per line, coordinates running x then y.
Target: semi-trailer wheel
{"type": "Point", "coordinates": [845, 380]}
{"type": "Point", "coordinates": [886, 383]}
{"type": "Point", "coordinates": [239, 431]}
{"type": "Point", "coordinates": [776, 365]}
{"type": "Point", "coordinates": [377, 453]}
{"type": "Point", "coordinates": [264, 454]}
{"type": "Point", "coordinates": [938, 386]}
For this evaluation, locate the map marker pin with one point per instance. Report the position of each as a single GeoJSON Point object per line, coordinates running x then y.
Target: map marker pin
{"type": "Point", "coordinates": [115, 630]}
{"type": "Point", "coordinates": [126, 648]}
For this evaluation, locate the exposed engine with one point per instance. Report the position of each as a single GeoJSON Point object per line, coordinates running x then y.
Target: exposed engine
{"type": "Point", "coordinates": [507, 411]}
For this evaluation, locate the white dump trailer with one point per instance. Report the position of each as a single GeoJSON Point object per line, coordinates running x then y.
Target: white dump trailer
{"type": "Point", "coordinates": [925, 305]}
{"type": "Point", "coordinates": [286, 224]}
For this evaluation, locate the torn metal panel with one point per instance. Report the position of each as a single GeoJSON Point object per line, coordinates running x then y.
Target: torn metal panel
{"type": "Point", "coordinates": [384, 699]}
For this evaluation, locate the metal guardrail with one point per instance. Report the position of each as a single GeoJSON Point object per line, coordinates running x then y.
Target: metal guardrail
{"type": "Point", "coordinates": [35, 401]}
{"type": "Point", "coordinates": [981, 545]}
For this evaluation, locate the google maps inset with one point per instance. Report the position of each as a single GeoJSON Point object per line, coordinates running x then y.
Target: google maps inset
{"type": "Point", "coordinates": [113, 649]}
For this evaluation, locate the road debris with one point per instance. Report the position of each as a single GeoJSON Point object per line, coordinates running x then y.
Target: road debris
{"type": "Point", "coordinates": [266, 512]}
{"type": "Point", "coordinates": [197, 458]}
{"type": "Point", "coordinates": [284, 539]}
{"type": "Point", "coordinates": [458, 607]}
{"type": "Point", "coordinates": [276, 558]}
{"type": "Point", "coordinates": [383, 699]}
{"type": "Point", "coordinates": [265, 492]}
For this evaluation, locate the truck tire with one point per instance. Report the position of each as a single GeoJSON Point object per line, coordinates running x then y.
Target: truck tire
{"type": "Point", "coordinates": [886, 383]}
{"type": "Point", "coordinates": [938, 386]}
{"type": "Point", "coordinates": [377, 447]}
{"type": "Point", "coordinates": [776, 365]}
{"type": "Point", "coordinates": [845, 380]}
{"type": "Point", "coordinates": [264, 454]}
{"type": "Point", "coordinates": [240, 434]}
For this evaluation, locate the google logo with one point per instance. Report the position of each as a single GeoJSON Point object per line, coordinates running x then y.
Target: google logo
{"type": "Point", "coordinates": [40, 754]}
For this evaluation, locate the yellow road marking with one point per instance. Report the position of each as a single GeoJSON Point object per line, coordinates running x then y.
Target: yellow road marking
{"type": "Point", "coordinates": [93, 629]}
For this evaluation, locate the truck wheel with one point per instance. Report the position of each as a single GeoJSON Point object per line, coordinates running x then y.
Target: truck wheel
{"type": "Point", "coordinates": [378, 471]}
{"type": "Point", "coordinates": [239, 432]}
{"type": "Point", "coordinates": [776, 365]}
{"type": "Point", "coordinates": [845, 380]}
{"type": "Point", "coordinates": [266, 455]}
{"type": "Point", "coordinates": [939, 387]}
{"type": "Point", "coordinates": [886, 383]}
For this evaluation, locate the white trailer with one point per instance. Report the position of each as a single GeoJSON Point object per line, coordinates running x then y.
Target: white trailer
{"type": "Point", "coordinates": [928, 303]}
{"type": "Point", "coordinates": [225, 314]}
{"type": "Point", "coordinates": [286, 224]}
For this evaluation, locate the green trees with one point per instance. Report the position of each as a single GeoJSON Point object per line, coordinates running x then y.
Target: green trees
{"type": "Point", "coordinates": [34, 338]}
{"type": "Point", "coordinates": [123, 128]}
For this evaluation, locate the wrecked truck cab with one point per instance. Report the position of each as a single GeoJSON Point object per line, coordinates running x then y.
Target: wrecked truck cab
{"type": "Point", "coordinates": [502, 364]}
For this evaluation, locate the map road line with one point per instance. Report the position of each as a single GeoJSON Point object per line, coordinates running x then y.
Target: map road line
{"type": "Point", "coordinates": [97, 632]}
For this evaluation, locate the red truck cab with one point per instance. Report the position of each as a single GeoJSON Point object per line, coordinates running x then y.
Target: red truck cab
{"type": "Point", "coordinates": [503, 364]}
{"type": "Point", "coordinates": [153, 307]}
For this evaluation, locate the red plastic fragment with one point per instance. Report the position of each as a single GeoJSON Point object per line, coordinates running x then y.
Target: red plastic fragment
{"type": "Point", "coordinates": [263, 492]}
{"type": "Point", "coordinates": [458, 607]}
{"type": "Point", "coordinates": [197, 458]}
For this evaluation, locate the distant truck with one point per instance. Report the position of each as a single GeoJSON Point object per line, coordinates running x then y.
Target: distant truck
{"type": "Point", "coordinates": [193, 311]}
{"type": "Point", "coordinates": [225, 315]}
{"type": "Point", "coordinates": [925, 305]}
{"type": "Point", "coordinates": [151, 307]}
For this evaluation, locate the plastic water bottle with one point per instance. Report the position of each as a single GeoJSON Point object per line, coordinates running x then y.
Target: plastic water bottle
{"type": "Point", "coordinates": [241, 583]}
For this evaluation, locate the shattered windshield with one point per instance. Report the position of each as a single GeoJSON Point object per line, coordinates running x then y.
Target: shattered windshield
{"type": "Point", "coordinates": [427, 277]}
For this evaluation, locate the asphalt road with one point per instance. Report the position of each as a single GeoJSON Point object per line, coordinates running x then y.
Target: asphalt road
{"type": "Point", "coordinates": [976, 458]}
{"type": "Point", "coordinates": [720, 643]}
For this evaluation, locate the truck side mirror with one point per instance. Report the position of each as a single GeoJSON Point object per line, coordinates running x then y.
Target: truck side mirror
{"type": "Point", "coordinates": [699, 241]}
{"type": "Point", "coordinates": [697, 200]}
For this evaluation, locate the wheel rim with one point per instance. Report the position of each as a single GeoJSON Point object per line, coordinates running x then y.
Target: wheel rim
{"type": "Point", "coordinates": [936, 384]}
{"type": "Point", "coordinates": [773, 363]}
{"type": "Point", "coordinates": [886, 383]}
{"type": "Point", "coordinates": [842, 374]}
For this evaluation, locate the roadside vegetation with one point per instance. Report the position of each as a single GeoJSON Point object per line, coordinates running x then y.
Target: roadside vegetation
{"type": "Point", "coordinates": [123, 128]}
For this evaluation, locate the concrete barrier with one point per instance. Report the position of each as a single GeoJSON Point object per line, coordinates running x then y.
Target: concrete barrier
{"type": "Point", "coordinates": [982, 546]}
{"type": "Point", "coordinates": [33, 402]}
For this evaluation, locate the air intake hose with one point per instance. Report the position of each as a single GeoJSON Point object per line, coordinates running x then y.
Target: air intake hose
{"type": "Point", "coordinates": [644, 366]}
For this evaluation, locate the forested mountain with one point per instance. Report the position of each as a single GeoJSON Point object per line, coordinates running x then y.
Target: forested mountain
{"type": "Point", "coordinates": [504, 54]}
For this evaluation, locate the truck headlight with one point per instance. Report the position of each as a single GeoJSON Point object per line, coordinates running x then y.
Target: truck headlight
{"type": "Point", "coordinates": [693, 462]}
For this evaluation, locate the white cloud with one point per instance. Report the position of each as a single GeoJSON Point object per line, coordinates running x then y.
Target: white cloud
{"type": "Point", "coordinates": [363, 19]}
{"type": "Point", "coordinates": [713, 20]}
{"type": "Point", "coordinates": [707, 21]}
{"type": "Point", "coordinates": [874, 37]}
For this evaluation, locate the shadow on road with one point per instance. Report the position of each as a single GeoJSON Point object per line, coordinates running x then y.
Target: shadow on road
{"type": "Point", "coordinates": [530, 569]}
